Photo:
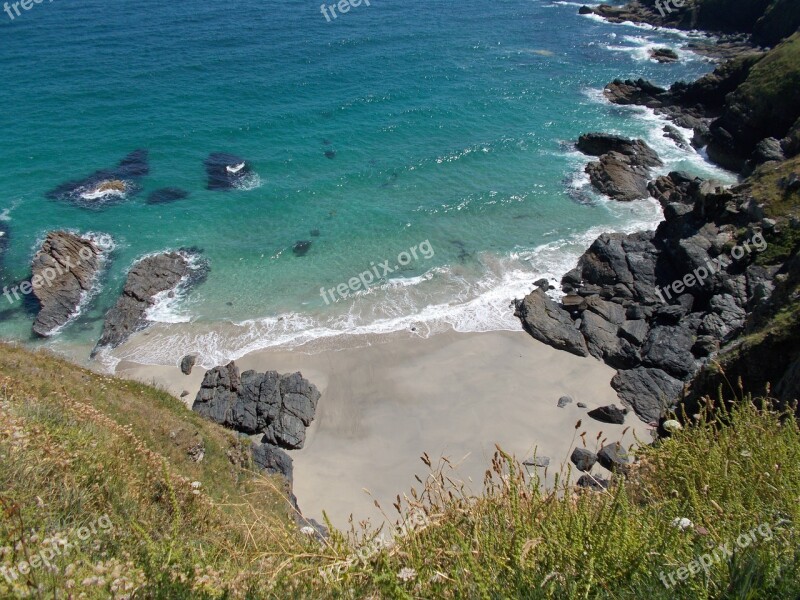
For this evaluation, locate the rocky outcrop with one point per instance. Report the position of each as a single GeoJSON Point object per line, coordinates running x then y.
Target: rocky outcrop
{"type": "Point", "coordinates": [149, 278]}
{"type": "Point", "coordinates": [549, 323]}
{"type": "Point", "coordinates": [278, 406]}
{"type": "Point", "coordinates": [64, 270]}
{"type": "Point", "coordinates": [657, 306]}
{"type": "Point", "coordinates": [624, 166]}
{"type": "Point", "coordinates": [107, 186]}
{"type": "Point", "coordinates": [664, 55]}
{"type": "Point", "coordinates": [274, 461]}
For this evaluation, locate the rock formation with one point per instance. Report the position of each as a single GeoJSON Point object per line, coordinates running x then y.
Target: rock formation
{"type": "Point", "coordinates": [278, 406]}
{"type": "Point", "coordinates": [64, 270]}
{"type": "Point", "coordinates": [147, 279]}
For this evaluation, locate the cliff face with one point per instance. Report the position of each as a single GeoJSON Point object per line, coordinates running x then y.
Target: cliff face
{"type": "Point", "coordinates": [768, 21]}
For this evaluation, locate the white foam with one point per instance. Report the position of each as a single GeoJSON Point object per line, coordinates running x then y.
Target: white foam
{"type": "Point", "coordinates": [448, 298]}
{"type": "Point", "coordinates": [171, 306]}
{"type": "Point", "coordinates": [249, 182]}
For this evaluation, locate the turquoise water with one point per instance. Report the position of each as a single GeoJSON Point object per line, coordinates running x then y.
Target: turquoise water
{"type": "Point", "coordinates": [446, 122]}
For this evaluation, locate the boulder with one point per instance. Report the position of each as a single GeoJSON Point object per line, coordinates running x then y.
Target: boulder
{"type": "Point", "coordinates": [563, 401]}
{"type": "Point", "coordinates": [279, 406]}
{"type": "Point", "coordinates": [608, 414]}
{"type": "Point", "coordinates": [187, 364]}
{"type": "Point", "coordinates": [599, 144]}
{"type": "Point", "coordinates": [64, 270]}
{"type": "Point", "coordinates": [539, 461]}
{"type": "Point", "coordinates": [648, 391]}
{"type": "Point", "coordinates": [614, 457]}
{"type": "Point", "coordinates": [273, 460]}
{"type": "Point", "coordinates": [549, 323]}
{"type": "Point", "coordinates": [583, 459]}
{"type": "Point", "coordinates": [664, 55]}
{"type": "Point", "coordinates": [147, 279]}
{"type": "Point", "coordinates": [593, 482]}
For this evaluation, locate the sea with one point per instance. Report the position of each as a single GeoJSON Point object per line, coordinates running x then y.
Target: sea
{"type": "Point", "coordinates": [430, 137]}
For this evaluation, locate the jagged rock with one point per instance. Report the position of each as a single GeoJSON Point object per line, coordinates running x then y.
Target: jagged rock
{"type": "Point", "coordinates": [675, 135]}
{"type": "Point", "coordinates": [279, 406]}
{"type": "Point", "coordinates": [273, 460]}
{"type": "Point", "coordinates": [648, 391]}
{"type": "Point", "coordinates": [614, 457]}
{"type": "Point", "coordinates": [604, 343]}
{"type": "Point", "coordinates": [664, 55]}
{"type": "Point", "coordinates": [598, 144]}
{"type": "Point", "coordinates": [610, 311]}
{"type": "Point", "coordinates": [64, 270]}
{"type": "Point", "coordinates": [549, 323]}
{"type": "Point", "coordinates": [151, 276]}
{"type": "Point", "coordinates": [539, 461]}
{"type": "Point", "coordinates": [635, 331]}
{"type": "Point", "coordinates": [583, 459]}
{"type": "Point", "coordinates": [187, 364]}
{"type": "Point", "coordinates": [669, 349]}
{"type": "Point", "coordinates": [608, 414]}
{"type": "Point", "coordinates": [624, 166]}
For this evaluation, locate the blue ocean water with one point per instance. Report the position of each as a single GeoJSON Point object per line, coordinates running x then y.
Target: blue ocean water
{"type": "Point", "coordinates": [395, 124]}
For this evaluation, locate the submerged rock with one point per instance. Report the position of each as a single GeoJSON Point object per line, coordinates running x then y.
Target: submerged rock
{"type": "Point", "coordinates": [147, 279]}
{"type": "Point", "coordinates": [167, 195]}
{"type": "Point", "coordinates": [301, 248]}
{"type": "Point", "coordinates": [106, 186]}
{"type": "Point", "coordinates": [64, 270]}
{"type": "Point", "coordinates": [225, 171]}
{"type": "Point", "coordinates": [664, 55]}
{"type": "Point", "coordinates": [279, 406]}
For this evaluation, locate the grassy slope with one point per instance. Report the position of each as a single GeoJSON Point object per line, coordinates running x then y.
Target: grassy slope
{"type": "Point", "coordinates": [75, 446]}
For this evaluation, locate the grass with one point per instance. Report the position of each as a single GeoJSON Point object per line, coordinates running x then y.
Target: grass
{"type": "Point", "coordinates": [81, 450]}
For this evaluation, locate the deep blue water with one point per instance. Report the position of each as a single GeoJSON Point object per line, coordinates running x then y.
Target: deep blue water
{"type": "Point", "coordinates": [442, 122]}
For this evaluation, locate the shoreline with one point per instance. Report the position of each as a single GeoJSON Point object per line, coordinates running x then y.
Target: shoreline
{"type": "Point", "coordinates": [383, 406]}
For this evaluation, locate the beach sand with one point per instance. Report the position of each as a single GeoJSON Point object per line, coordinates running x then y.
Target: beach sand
{"type": "Point", "coordinates": [454, 395]}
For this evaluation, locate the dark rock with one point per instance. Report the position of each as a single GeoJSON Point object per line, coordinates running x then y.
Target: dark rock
{"type": "Point", "coordinates": [279, 406]}
{"type": "Point", "coordinates": [581, 405]}
{"type": "Point", "coordinates": [705, 345]}
{"type": "Point", "coordinates": [768, 149]}
{"type": "Point", "coordinates": [184, 393]}
{"type": "Point", "coordinates": [664, 55]}
{"type": "Point", "coordinates": [550, 324]}
{"type": "Point", "coordinates": [151, 276]}
{"type": "Point", "coordinates": [563, 401]}
{"type": "Point", "coordinates": [105, 187]}
{"type": "Point", "coordinates": [226, 171]}
{"type": "Point", "coordinates": [583, 459]}
{"type": "Point", "coordinates": [187, 364]}
{"type": "Point", "coordinates": [603, 342]}
{"type": "Point", "coordinates": [167, 195]}
{"type": "Point", "coordinates": [599, 144]}
{"type": "Point", "coordinates": [573, 302]}
{"type": "Point", "coordinates": [593, 482]}
{"type": "Point", "coordinates": [611, 312]}
{"type": "Point", "coordinates": [669, 349]}
{"type": "Point", "coordinates": [614, 176]}
{"type": "Point", "coordinates": [301, 248]}
{"type": "Point", "coordinates": [539, 461]}
{"type": "Point", "coordinates": [608, 414]}
{"type": "Point", "coordinates": [64, 270]}
{"type": "Point", "coordinates": [614, 457]}
{"type": "Point", "coordinates": [675, 135]}
{"type": "Point", "coordinates": [648, 391]}
{"type": "Point", "coordinates": [635, 331]}
{"type": "Point", "coordinates": [273, 460]}
{"type": "Point", "coordinates": [330, 154]}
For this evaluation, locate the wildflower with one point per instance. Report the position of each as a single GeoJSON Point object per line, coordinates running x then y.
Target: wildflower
{"type": "Point", "coordinates": [682, 523]}
{"type": "Point", "coordinates": [196, 485]}
{"type": "Point", "coordinates": [407, 574]}
{"type": "Point", "coordinates": [672, 425]}
{"type": "Point", "coordinates": [308, 530]}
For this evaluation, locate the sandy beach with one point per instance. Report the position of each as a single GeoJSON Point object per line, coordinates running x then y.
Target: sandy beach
{"type": "Point", "coordinates": [454, 395]}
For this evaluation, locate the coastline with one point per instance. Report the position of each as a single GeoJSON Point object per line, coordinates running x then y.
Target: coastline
{"type": "Point", "coordinates": [383, 405]}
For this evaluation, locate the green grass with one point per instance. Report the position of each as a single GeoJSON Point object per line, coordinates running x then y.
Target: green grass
{"type": "Point", "coordinates": [78, 449]}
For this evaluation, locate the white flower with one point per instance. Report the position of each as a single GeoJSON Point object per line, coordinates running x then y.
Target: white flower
{"type": "Point", "coordinates": [407, 574]}
{"type": "Point", "coordinates": [672, 425]}
{"type": "Point", "coordinates": [682, 523]}
{"type": "Point", "coordinates": [196, 485]}
{"type": "Point", "coordinates": [308, 530]}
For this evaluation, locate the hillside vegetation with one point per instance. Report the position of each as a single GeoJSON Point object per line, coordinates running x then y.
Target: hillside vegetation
{"type": "Point", "coordinates": [120, 458]}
